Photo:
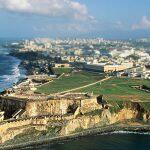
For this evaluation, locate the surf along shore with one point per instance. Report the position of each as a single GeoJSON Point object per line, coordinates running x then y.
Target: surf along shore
{"type": "Point", "coordinates": [96, 131]}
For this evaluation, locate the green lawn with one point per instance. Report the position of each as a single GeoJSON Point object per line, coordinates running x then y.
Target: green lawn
{"type": "Point", "coordinates": [146, 106]}
{"type": "Point", "coordinates": [74, 80]}
{"type": "Point", "coordinates": [62, 70]}
{"type": "Point", "coordinates": [120, 89]}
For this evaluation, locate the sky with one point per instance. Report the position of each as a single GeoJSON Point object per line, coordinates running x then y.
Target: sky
{"type": "Point", "coordinates": [112, 19]}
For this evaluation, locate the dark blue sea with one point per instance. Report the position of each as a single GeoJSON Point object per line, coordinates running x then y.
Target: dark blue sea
{"type": "Point", "coordinates": [117, 141]}
{"type": "Point", "coordinates": [9, 68]}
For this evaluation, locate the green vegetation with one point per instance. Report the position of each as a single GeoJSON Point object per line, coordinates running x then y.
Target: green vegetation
{"type": "Point", "coordinates": [116, 106]}
{"type": "Point", "coordinates": [94, 112]}
{"type": "Point", "coordinates": [27, 136]}
{"type": "Point", "coordinates": [33, 135]}
{"type": "Point", "coordinates": [78, 130]}
{"type": "Point", "coordinates": [62, 70]}
{"type": "Point", "coordinates": [120, 89]}
{"type": "Point", "coordinates": [146, 106]}
{"type": "Point", "coordinates": [52, 131]}
{"type": "Point", "coordinates": [68, 82]}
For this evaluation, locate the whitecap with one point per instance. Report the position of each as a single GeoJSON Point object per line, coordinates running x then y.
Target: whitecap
{"type": "Point", "coordinates": [8, 80]}
{"type": "Point", "coordinates": [126, 132]}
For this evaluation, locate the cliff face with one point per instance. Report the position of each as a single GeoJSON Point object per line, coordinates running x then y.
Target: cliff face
{"type": "Point", "coordinates": [146, 117]}
{"type": "Point", "coordinates": [59, 107]}
{"type": "Point", "coordinates": [45, 107]}
{"type": "Point", "coordinates": [89, 114]}
{"type": "Point", "coordinates": [124, 114]}
{"type": "Point", "coordinates": [80, 123]}
{"type": "Point", "coordinates": [104, 118]}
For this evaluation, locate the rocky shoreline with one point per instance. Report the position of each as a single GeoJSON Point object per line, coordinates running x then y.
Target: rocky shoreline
{"type": "Point", "coordinates": [89, 132]}
{"type": "Point", "coordinates": [34, 62]}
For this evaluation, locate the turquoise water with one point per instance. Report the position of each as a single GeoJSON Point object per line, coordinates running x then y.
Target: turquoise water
{"type": "Point", "coordinates": [102, 142]}
{"type": "Point", "coordinates": [9, 70]}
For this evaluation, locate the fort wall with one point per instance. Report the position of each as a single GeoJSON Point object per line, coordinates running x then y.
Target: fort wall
{"type": "Point", "coordinates": [10, 129]}
{"type": "Point", "coordinates": [11, 105]}
{"type": "Point", "coordinates": [29, 121]}
{"type": "Point", "coordinates": [52, 107]}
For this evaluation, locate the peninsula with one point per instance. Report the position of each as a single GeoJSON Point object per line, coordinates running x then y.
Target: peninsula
{"type": "Point", "coordinates": [70, 91]}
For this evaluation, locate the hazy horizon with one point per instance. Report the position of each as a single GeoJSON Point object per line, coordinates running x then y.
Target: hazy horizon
{"type": "Point", "coordinates": [110, 19]}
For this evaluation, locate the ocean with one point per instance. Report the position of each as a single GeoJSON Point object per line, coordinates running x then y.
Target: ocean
{"type": "Point", "coordinates": [9, 68]}
{"type": "Point", "coordinates": [117, 141]}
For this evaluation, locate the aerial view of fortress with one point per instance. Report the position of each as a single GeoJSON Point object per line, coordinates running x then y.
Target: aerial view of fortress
{"type": "Point", "coordinates": [62, 97]}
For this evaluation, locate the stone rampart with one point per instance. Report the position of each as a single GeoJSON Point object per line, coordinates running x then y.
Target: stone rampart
{"type": "Point", "coordinates": [4, 126]}
{"type": "Point", "coordinates": [10, 105]}
{"type": "Point", "coordinates": [52, 107]}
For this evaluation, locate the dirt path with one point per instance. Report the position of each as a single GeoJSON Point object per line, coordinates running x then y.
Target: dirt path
{"type": "Point", "coordinates": [82, 87]}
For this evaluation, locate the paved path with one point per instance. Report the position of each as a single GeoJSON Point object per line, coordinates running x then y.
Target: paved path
{"type": "Point", "coordinates": [82, 87]}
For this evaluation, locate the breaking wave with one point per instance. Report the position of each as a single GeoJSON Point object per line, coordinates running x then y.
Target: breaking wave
{"type": "Point", "coordinates": [126, 132]}
{"type": "Point", "coordinates": [10, 72]}
{"type": "Point", "coordinates": [8, 80]}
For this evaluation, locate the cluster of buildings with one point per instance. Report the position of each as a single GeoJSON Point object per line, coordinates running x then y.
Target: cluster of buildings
{"type": "Point", "coordinates": [34, 45]}
{"type": "Point", "coordinates": [94, 54]}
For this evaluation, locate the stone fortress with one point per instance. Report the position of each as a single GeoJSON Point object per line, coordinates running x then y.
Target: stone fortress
{"type": "Point", "coordinates": [18, 115]}
{"type": "Point", "coordinates": [71, 111]}
{"type": "Point", "coordinates": [52, 105]}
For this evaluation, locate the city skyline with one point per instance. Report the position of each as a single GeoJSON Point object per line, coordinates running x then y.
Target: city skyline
{"type": "Point", "coordinates": [74, 18]}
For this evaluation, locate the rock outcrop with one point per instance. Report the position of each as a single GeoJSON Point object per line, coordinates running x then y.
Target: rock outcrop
{"type": "Point", "coordinates": [135, 111]}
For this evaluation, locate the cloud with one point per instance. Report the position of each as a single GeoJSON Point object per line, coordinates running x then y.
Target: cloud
{"type": "Point", "coordinates": [71, 27]}
{"type": "Point", "coordinates": [144, 24]}
{"type": "Point", "coordinates": [51, 8]}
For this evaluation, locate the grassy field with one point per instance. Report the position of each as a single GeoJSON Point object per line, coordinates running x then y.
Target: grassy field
{"type": "Point", "coordinates": [74, 80]}
{"type": "Point", "coordinates": [62, 70]}
{"type": "Point", "coordinates": [120, 89]}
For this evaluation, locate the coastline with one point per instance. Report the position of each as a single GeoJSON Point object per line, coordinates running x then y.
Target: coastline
{"type": "Point", "coordinates": [18, 72]}
{"type": "Point", "coordinates": [21, 68]}
{"type": "Point", "coordinates": [89, 132]}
